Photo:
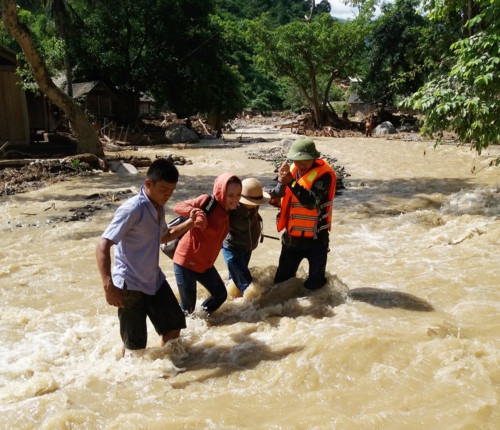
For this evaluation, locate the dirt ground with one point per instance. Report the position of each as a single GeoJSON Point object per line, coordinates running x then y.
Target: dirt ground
{"type": "Point", "coordinates": [26, 174]}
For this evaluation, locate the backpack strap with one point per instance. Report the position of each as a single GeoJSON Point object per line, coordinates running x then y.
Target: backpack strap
{"type": "Point", "coordinates": [209, 206]}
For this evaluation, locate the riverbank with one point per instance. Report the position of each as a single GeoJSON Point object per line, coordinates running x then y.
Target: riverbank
{"type": "Point", "coordinates": [30, 172]}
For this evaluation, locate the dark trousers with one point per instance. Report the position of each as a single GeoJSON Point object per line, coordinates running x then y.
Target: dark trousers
{"type": "Point", "coordinates": [294, 250]}
{"type": "Point", "coordinates": [162, 309]}
{"type": "Point", "coordinates": [210, 279]}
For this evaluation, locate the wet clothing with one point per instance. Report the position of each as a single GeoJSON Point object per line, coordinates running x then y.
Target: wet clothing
{"type": "Point", "coordinates": [136, 231]}
{"type": "Point", "coordinates": [186, 283]}
{"type": "Point", "coordinates": [162, 309]}
{"type": "Point", "coordinates": [198, 250]}
{"type": "Point", "coordinates": [237, 261]}
{"type": "Point", "coordinates": [245, 228]}
{"type": "Point", "coordinates": [305, 215]}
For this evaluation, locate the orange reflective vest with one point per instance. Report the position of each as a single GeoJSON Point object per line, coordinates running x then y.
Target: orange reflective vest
{"type": "Point", "coordinates": [300, 221]}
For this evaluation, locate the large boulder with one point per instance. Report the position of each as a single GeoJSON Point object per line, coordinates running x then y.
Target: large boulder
{"type": "Point", "coordinates": [179, 133]}
{"type": "Point", "coordinates": [287, 143]}
{"type": "Point", "coordinates": [384, 128]}
{"type": "Point", "coordinates": [118, 166]}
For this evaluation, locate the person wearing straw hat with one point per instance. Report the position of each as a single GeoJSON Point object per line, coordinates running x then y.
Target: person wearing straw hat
{"type": "Point", "coordinates": [305, 190]}
{"type": "Point", "coordinates": [245, 230]}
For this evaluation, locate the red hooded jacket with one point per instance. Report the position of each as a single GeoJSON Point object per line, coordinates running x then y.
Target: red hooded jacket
{"type": "Point", "coordinates": [198, 249]}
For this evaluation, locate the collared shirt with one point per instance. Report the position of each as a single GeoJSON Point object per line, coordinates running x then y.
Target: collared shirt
{"type": "Point", "coordinates": [136, 231]}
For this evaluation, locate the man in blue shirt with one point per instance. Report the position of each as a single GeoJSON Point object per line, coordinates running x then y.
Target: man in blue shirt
{"type": "Point", "coordinates": [136, 285]}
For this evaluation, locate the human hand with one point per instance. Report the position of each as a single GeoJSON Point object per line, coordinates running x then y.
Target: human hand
{"type": "Point", "coordinates": [200, 219]}
{"type": "Point", "coordinates": [284, 168]}
{"type": "Point", "coordinates": [115, 296]}
{"type": "Point", "coordinates": [192, 214]}
{"type": "Point", "coordinates": [284, 175]}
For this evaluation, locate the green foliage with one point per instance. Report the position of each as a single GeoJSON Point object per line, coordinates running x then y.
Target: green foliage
{"type": "Point", "coordinates": [51, 48]}
{"type": "Point", "coordinates": [280, 11]}
{"type": "Point", "coordinates": [311, 55]}
{"type": "Point", "coordinates": [465, 98]}
{"type": "Point", "coordinates": [397, 52]}
{"type": "Point", "coordinates": [258, 89]}
{"type": "Point", "coordinates": [170, 50]}
{"type": "Point", "coordinates": [292, 99]}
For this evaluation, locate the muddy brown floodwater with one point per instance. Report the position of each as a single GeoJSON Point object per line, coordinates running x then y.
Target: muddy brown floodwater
{"type": "Point", "coordinates": [404, 335]}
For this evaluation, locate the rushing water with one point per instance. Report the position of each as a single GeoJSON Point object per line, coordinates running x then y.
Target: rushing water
{"type": "Point", "coordinates": [404, 336]}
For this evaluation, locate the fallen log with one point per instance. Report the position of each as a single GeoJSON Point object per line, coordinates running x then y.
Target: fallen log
{"type": "Point", "coordinates": [15, 163]}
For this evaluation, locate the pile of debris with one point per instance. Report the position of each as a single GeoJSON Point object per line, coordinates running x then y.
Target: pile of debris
{"type": "Point", "coordinates": [151, 132]}
{"type": "Point", "coordinates": [39, 173]}
{"type": "Point", "coordinates": [303, 124]}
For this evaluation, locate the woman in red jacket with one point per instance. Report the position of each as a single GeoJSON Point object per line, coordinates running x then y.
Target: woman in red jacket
{"type": "Point", "coordinates": [198, 249]}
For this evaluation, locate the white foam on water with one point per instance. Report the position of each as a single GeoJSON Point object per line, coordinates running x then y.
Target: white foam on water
{"type": "Point", "coordinates": [281, 356]}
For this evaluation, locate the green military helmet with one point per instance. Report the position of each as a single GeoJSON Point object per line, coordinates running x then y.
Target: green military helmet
{"type": "Point", "coordinates": [303, 149]}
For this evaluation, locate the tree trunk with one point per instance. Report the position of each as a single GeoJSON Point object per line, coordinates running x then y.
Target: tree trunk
{"type": "Point", "coordinates": [59, 20]}
{"type": "Point", "coordinates": [88, 141]}
{"type": "Point", "coordinates": [314, 99]}
{"type": "Point", "coordinates": [313, 104]}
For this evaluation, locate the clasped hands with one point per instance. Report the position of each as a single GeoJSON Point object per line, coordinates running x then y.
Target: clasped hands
{"type": "Point", "coordinates": [199, 218]}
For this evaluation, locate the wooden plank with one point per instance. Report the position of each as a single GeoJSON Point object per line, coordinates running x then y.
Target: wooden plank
{"type": "Point", "coordinates": [14, 163]}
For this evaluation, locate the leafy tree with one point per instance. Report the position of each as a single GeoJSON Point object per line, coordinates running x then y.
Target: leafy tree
{"type": "Point", "coordinates": [396, 53]}
{"type": "Point", "coordinates": [463, 95]}
{"type": "Point", "coordinates": [169, 49]}
{"type": "Point", "coordinates": [302, 51]}
{"type": "Point", "coordinates": [58, 11]}
{"type": "Point", "coordinates": [259, 89]}
{"type": "Point", "coordinates": [88, 141]}
{"type": "Point", "coordinates": [280, 11]}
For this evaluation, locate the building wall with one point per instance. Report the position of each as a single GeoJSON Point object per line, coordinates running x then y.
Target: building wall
{"type": "Point", "coordinates": [14, 124]}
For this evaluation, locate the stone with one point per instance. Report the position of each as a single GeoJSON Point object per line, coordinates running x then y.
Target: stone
{"type": "Point", "coordinates": [179, 133]}
{"type": "Point", "coordinates": [384, 128]}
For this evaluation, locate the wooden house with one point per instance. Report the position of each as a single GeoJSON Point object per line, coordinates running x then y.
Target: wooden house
{"type": "Point", "coordinates": [94, 97]}
{"type": "Point", "coordinates": [356, 105]}
{"type": "Point", "coordinates": [146, 106]}
{"type": "Point", "coordinates": [14, 121]}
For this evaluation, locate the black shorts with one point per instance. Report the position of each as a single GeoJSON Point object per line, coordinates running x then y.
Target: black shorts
{"type": "Point", "coordinates": [162, 309]}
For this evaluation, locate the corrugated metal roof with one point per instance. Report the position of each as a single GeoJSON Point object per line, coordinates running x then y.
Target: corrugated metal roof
{"type": "Point", "coordinates": [82, 88]}
{"type": "Point", "coordinates": [79, 88]}
{"type": "Point", "coordinates": [146, 98]}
